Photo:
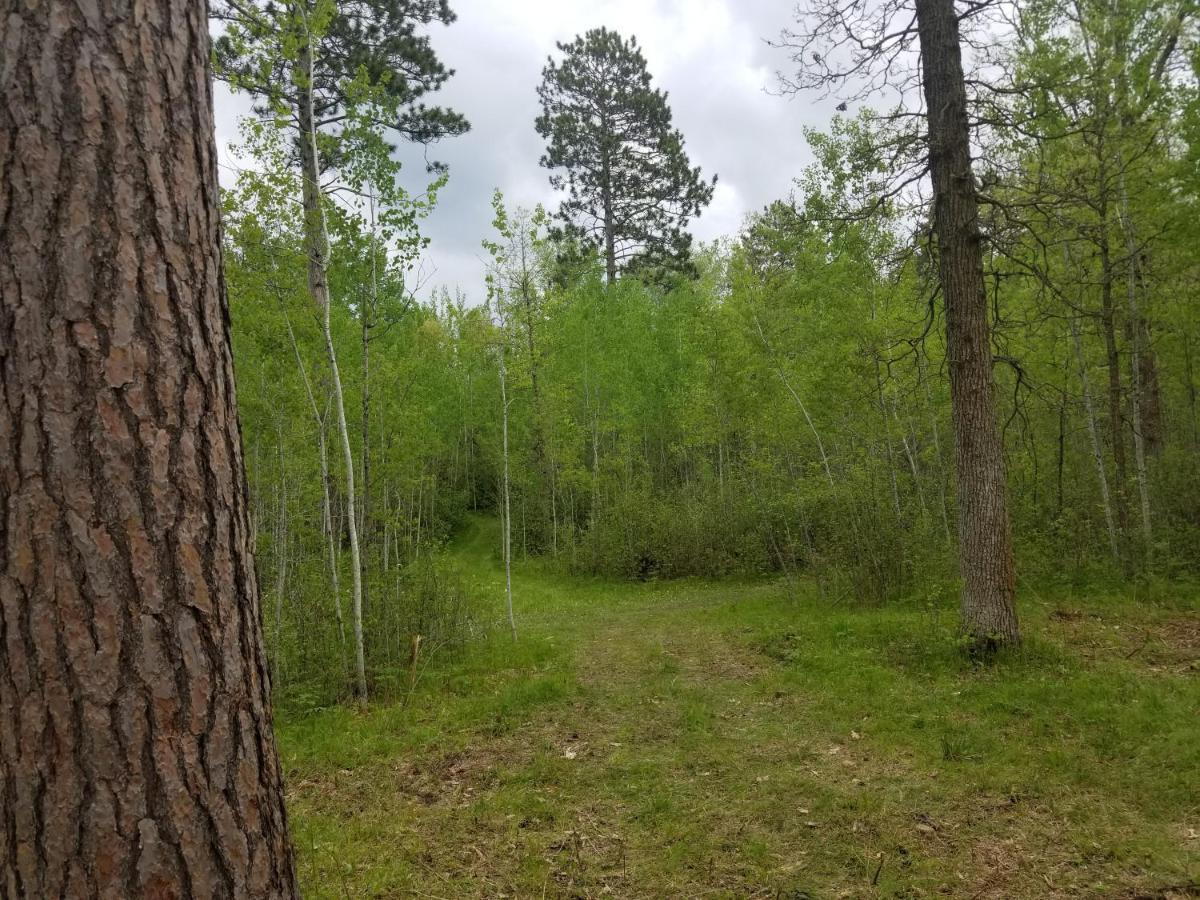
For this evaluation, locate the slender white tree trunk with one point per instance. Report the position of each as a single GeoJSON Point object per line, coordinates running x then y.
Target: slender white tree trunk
{"type": "Point", "coordinates": [1135, 358]}
{"type": "Point", "coordinates": [887, 442]}
{"type": "Point", "coordinates": [326, 502]}
{"type": "Point", "coordinates": [360, 663]}
{"type": "Point", "coordinates": [317, 241]}
{"type": "Point", "coordinates": [1097, 449]}
{"type": "Point", "coordinates": [554, 510]}
{"type": "Point", "coordinates": [281, 561]}
{"type": "Point", "coordinates": [916, 473]}
{"type": "Point", "coordinates": [795, 396]}
{"type": "Point", "coordinates": [508, 595]}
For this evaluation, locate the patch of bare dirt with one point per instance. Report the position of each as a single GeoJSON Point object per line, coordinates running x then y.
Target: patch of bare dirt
{"type": "Point", "coordinates": [1174, 645]}
{"type": "Point", "coordinates": [454, 777]}
{"type": "Point", "coordinates": [1169, 646]}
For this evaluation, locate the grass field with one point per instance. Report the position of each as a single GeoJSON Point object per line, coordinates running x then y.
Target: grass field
{"type": "Point", "coordinates": [693, 739]}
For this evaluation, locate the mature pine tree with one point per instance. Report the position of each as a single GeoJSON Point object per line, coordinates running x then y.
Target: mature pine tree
{"type": "Point", "coordinates": [630, 187]}
{"type": "Point", "coordinates": [137, 757]}
{"type": "Point", "coordinates": [380, 37]}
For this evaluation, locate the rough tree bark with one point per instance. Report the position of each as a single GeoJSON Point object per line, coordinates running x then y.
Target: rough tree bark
{"type": "Point", "coordinates": [985, 539]}
{"type": "Point", "coordinates": [136, 752]}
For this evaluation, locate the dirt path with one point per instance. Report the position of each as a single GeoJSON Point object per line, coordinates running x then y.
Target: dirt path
{"type": "Point", "coordinates": [719, 740]}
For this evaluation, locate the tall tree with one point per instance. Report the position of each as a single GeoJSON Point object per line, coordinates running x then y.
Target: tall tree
{"type": "Point", "coordinates": [517, 283]}
{"type": "Point", "coordinates": [631, 189]}
{"type": "Point", "coordinates": [984, 533]}
{"type": "Point", "coordinates": [136, 750]}
{"type": "Point", "coordinates": [867, 45]}
{"type": "Point", "coordinates": [338, 77]}
{"type": "Point", "coordinates": [380, 40]}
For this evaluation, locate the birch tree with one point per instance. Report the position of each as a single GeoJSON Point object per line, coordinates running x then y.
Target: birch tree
{"type": "Point", "coordinates": [342, 171]}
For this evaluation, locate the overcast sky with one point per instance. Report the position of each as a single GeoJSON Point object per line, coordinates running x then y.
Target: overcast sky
{"type": "Point", "coordinates": [710, 56]}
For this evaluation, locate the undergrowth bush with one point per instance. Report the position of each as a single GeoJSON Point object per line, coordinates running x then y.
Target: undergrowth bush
{"type": "Point", "coordinates": [427, 598]}
{"type": "Point", "coordinates": [854, 552]}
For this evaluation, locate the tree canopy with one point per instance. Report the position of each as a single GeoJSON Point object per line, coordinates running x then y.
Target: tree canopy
{"type": "Point", "coordinates": [630, 188]}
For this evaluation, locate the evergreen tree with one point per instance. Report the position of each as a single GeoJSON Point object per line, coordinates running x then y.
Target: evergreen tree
{"type": "Point", "coordinates": [630, 187]}
{"type": "Point", "coordinates": [354, 40]}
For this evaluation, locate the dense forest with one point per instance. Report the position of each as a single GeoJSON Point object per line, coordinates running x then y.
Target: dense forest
{"type": "Point", "coordinates": [777, 402]}
{"type": "Point", "coordinates": [908, 467]}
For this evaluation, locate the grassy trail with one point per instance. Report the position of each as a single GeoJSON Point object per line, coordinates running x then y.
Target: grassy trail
{"type": "Point", "coordinates": [727, 740]}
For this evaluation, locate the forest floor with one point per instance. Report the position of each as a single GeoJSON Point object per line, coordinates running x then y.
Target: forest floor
{"type": "Point", "coordinates": [692, 739]}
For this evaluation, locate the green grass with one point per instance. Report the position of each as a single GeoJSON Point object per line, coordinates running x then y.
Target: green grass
{"type": "Point", "coordinates": [692, 739]}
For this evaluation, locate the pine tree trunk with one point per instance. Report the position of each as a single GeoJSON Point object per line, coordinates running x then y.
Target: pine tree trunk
{"type": "Point", "coordinates": [136, 752]}
{"type": "Point", "coordinates": [610, 239]}
{"type": "Point", "coordinates": [985, 539]}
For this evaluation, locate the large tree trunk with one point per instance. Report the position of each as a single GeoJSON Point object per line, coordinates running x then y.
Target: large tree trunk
{"type": "Point", "coordinates": [136, 751]}
{"type": "Point", "coordinates": [985, 539]}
